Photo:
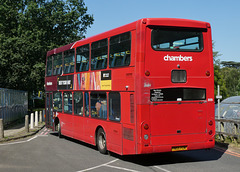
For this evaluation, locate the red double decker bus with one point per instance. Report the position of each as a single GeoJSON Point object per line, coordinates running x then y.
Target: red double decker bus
{"type": "Point", "coordinates": [145, 87]}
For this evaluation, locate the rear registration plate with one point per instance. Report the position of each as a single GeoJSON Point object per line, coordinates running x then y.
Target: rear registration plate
{"type": "Point", "coordinates": [179, 148]}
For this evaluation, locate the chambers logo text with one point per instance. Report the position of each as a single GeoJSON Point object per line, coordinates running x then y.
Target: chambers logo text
{"type": "Point", "coordinates": [178, 58]}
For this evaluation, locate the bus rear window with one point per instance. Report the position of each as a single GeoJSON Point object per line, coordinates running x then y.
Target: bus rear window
{"type": "Point", "coordinates": [163, 39]}
{"type": "Point", "coordinates": [177, 94]}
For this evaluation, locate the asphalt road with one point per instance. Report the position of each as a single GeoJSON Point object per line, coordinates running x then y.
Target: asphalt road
{"type": "Point", "coordinates": [46, 152]}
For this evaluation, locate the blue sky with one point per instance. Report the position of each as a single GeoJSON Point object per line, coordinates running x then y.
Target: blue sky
{"type": "Point", "coordinates": [223, 15]}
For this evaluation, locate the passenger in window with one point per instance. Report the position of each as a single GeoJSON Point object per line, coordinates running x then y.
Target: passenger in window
{"type": "Point", "coordinates": [86, 111]}
{"type": "Point", "coordinates": [98, 107]}
{"type": "Point", "coordinates": [103, 109]}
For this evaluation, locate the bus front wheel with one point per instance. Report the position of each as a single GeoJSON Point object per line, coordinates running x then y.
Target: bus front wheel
{"type": "Point", "coordinates": [101, 141]}
{"type": "Point", "coordinates": [59, 131]}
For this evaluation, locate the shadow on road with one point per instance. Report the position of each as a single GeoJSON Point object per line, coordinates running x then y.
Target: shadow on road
{"type": "Point", "coordinates": [75, 141]}
{"type": "Point", "coordinates": [161, 158]}
{"type": "Point", "coordinates": [172, 157]}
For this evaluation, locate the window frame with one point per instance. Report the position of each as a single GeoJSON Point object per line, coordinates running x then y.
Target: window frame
{"type": "Point", "coordinates": [109, 106]}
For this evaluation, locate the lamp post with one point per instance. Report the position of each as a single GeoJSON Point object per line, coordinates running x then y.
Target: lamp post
{"type": "Point", "coordinates": [218, 97]}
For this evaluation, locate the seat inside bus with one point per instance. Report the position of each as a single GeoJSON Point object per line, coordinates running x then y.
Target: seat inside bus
{"type": "Point", "coordinates": [84, 66]}
{"type": "Point", "coordinates": [119, 60]}
{"type": "Point", "coordinates": [100, 63]}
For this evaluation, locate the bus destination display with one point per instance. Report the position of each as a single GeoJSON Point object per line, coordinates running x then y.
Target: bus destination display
{"type": "Point", "coordinates": [156, 95]}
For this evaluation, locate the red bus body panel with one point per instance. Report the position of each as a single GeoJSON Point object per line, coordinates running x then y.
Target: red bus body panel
{"type": "Point", "coordinates": [170, 124]}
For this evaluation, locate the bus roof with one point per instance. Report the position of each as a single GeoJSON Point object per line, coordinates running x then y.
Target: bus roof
{"type": "Point", "coordinates": [59, 50]}
{"type": "Point", "coordinates": [172, 22]}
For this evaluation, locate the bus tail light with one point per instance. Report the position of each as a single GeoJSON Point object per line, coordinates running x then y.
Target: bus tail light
{"type": "Point", "coordinates": [210, 132]}
{"type": "Point", "coordinates": [146, 126]}
{"type": "Point", "coordinates": [145, 133]}
{"type": "Point", "coordinates": [208, 73]}
{"type": "Point", "coordinates": [147, 73]}
{"type": "Point", "coordinates": [210, 123]}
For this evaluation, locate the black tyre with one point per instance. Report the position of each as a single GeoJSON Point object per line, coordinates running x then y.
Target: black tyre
{"type": "Point", "coordinates": [101, 141]}
{"type": "Point", "coordinates": [59, 131]}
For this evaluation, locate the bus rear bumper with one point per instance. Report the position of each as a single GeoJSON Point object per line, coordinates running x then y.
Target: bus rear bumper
{"type": "Point", "coordinates": [146, 149]}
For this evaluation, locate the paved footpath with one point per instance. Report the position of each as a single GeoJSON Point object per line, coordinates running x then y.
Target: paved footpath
{"type": "Point", "coordinates": [18, 132]}
{"type": "Point", "coordinates": [14, 130]}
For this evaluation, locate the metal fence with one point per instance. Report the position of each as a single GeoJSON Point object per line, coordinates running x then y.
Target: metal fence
{"type": "Point", "coordinates": [228, 128]}
{"type": "Point", "coordinates": [13, 104]}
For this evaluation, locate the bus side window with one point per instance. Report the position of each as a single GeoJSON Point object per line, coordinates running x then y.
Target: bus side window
{"type": "Point", "coordinates": [57, 64]}
{"type": "Point", "coordinates": [114, 106]}
{"type": "Point", "coordinates": [78, 103]}
{"type": "Point", "coordinates": [57, 101]}
{"type": "Point", "coordinates": [69, 61]}
{"type": "Point", "coordinates": [99, 52]}
{"type": "Point", "coordinates": [67, 102]}
{"type": "Point", "coordinates": [98, 105]}
{"type": "Point", "coordinates": [49, 66]}
{"type": "Point", "coordinates": [120, 50]}
{"type": "Point", "coordinates": [82, 63]}
{"type": "Point", "coordinates": [86, 105]}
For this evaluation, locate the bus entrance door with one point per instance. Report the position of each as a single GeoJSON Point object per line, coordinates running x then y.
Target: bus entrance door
{"type": "Point", "coordinates": [49, 110]}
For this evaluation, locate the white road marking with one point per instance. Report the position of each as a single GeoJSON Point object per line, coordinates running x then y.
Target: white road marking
{"type": "Point", "coordinates": [120, 168]}
{"type": "Point", "coordinates": [110, 166]}
{"type": "Point", "coordinates": [162, 169]}
{"type": "Point", "coordinates": [88, 169]}
{"type": "Point", "coordinates": [25, 141]}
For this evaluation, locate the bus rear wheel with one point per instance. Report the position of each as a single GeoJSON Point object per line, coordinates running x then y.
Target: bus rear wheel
{"type": "Point", "coordinates": [101, 141]}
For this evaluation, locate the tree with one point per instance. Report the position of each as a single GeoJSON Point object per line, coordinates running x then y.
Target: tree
{"type": "Point", "coordinates": [218, 75]}
{"type": "Point", "coordinates": [227, 76]}
{"type": "Point", "coordinates": [231, 77]}
{"type": "Point", "coordinates": [28, 29]}
{"type": "Point", "coordinates": [231, 64]}
{"type": "Point", "coordinates": [219, 80]}
{"type": "Point", "coordinates": [216, 54]}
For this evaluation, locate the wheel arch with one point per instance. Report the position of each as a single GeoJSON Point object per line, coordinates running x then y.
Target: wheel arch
{"type": "Point", "coordinates": [96, 132]}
